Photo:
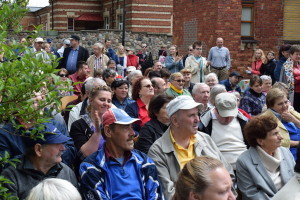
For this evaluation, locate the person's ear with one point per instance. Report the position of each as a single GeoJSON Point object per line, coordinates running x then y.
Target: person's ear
{"type": "Point", "coordinates": [260, 141]}
{"type": "Point", "coordinates": [194, 196]}
{"type": "Point", "coordinates": [107, 131]}
{"type": "Point", "coordinates": [38, 149]}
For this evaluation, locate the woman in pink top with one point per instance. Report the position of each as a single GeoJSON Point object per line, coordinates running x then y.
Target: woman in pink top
{"type": "Point", "coordinates": [258, 60]}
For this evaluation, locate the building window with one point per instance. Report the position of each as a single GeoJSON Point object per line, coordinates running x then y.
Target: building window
{"type": "Point", "coordinates": [247, 20]}
{"type": "Point", "coordinates": [120, 22]}
{"type": "Point", "coordinates": [70, 24]}
{"type": "Point", "coordinates": [106, 23]}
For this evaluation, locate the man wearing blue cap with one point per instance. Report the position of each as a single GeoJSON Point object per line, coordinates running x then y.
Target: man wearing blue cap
{"type": "Point", "coordinates": [42, 160]}
{"type": "Point", "coordinates": [116, 171]}
{"type": "Point", "coordinates": [231, 84]}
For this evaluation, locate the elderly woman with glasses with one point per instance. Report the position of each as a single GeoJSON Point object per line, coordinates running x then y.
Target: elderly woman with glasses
{"type": "Point", "coordinates": [142, 93]}
{"type": "Point", "coordinates": [176, 87]}
{"type": "Point", "coordinates": [266, 166]}
{"type": "Point", "coordinates": [287, 118]}
{"type": "Point", "coordinates": [120, 98]}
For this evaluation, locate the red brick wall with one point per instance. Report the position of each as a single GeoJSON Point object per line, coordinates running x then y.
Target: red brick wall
{"type": "Point", "coordinates": [207, 20]}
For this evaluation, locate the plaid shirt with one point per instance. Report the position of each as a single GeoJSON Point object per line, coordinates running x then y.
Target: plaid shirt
{"type": "Point", "coordinates": [253, 102]}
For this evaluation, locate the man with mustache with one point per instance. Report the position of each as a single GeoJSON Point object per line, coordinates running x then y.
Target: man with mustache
{"type": "Point", "coordinates": [116, 171]}
{"type": "Point", "coordinates": [42, 160]}
{"type": "Point", "coordinates": [181, 142]}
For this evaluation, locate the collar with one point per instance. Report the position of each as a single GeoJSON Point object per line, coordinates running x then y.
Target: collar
{"type": "Point", "coordinates": [255, 93]}
{"type": "Point", "coordinates": [176, 90]}
{"type": "Point", "coordinates": [192, 140]}
{"type": "Point", "coordinates": [76, 49]}
{"type": "Point", "coordinates": [271, 163]}
{"type": "Point", "coordinates": [98, 57]}
{"type": "Point", "coordinates": [140, 103]}
{"type": "Point", "coordinates": [108, 156]}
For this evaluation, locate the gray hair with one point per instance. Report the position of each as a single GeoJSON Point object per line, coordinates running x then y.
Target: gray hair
{"type": "Point", "coordinates": [197, 86]}
{"type": "Point", "coordinates": [92, 83]}
{"type": "Point", "coordinates": [265, 78]}
{"type": "Point", "coordinates": [211, 75]}
{"type": "Point", "coordinates": [54, 189]}
{"type": "Point", "coordinates": [133, 74]}
{"type": "Point", "coordinates": [217, 89]}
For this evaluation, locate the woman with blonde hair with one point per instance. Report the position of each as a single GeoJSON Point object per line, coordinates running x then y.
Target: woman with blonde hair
{"type": "Point", "coordinates": [204, 178]}
{"type": "Point", "coordinates": [121, 60]}
{"type": "Point", "coordinates": [258, 60]}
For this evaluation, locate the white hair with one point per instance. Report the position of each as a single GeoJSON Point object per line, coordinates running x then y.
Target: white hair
{"type": "Point", "coordinates": [54, 189]}
{"type": "Point", "coordinates": [217, 89]}
{"type": "Point", "coordinates": [265, 78]}
{"type": "Point", "coordinates": [133, 74]}
{"type": "Point", "coordinates": [92, 83]}
{"type": "Point", "coordinates": [211, 75]}
{"type": "Point", "coordinates": [198, 86]}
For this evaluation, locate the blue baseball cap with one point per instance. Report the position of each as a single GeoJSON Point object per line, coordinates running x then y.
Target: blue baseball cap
{"type": "Point", "coordinates": [117, 116]}
{"type": "Point", "coordinates": [51, 136]}
{"type": "Point", "coordinates": [49, 40]}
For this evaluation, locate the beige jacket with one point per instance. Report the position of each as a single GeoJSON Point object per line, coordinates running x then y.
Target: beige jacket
{"type": "Point", "coordinates": [192, 64]}
{"type": "Point", "coordinates": [91, 63]}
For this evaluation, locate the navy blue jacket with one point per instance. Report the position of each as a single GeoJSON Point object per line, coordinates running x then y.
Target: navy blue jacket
{"type": "Point", "coordinates": [228, 87]}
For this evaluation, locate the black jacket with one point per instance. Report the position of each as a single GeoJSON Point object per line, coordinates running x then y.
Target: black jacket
{"type": "Point", "coordinates": [83, 55]}
{"type": "Point", "coordinates": [149, 133]}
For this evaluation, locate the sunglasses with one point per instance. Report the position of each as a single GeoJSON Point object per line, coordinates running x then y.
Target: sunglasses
{"type": "Point", "coordinates": [144, 46]}
{"type": "Point", "coordinates": [148, 86]}
{"type": "Point", "coordinates": [62, 75]}
{"type": "Point", "coordinates": [190, 49]}
{"type": "Point", "coordinates": [180, 81]}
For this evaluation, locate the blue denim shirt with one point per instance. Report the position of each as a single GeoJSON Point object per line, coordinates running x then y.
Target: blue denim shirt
{"type": "Point", "coordinates": [121, 105]}
{"type": "Point", "coordinates": [72, 60]}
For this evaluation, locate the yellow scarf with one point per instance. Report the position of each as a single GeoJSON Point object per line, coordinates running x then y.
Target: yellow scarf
{"type": "Point", "coordinates": [176, 90]}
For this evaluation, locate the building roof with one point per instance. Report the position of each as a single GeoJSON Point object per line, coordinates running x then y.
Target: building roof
{"type": "Point", "coordinates": [34, 9]}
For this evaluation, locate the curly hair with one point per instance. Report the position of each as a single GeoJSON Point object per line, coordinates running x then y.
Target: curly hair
{"type": "Point", "coordinates": [258, 128]}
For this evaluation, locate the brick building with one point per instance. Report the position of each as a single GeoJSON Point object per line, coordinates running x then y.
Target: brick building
{"type": "Point", "coordinates": [244, 24]}
{"type": "Point", "coordinates": [66, 15]}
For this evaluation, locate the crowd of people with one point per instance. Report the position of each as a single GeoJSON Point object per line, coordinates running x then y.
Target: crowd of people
{"type": "Point", "coordinates": [175, 128]}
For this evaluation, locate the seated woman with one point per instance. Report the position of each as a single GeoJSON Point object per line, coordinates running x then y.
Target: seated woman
{"type": "Point", "coordinates": [291, 190]}
{"type": "Point", "coordinates": [265, 167]}
{"type": "Point", "coordinates": [120, 98]}
{"type": "Point", "coordinates": [287, 118]}
{"type": "Point", "coordinates": [109, 76]}
{"type": "Point", "coordinates": [204, 178]}
{"type": "Point", "coordinates": [211, 80]}
{"type": "Point", "coordinates": [253, 100]}
{"type": "Point", "coordinates": [266, 84]}
{"type": "Point", "coordinates": [158, 124]}
{"type": "Point", "coordinates": [142, 93]}
{"type": "Point", "coordinates": [86, 131]}
{"type": "Point", "coordinates": [65, 88]}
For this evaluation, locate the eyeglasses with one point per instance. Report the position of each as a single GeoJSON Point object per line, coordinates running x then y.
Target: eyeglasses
{"type": "Point", "coordinates": [144, 47]}
{"type": "Point", "coordinates": [199, 49]}
{"type": "Point", "coordinates": [180, 81]}
{"type": "Point", "coordinates": [62, 75]}
{"type": "Point", "coordinates": [148, 86]}
{"type": "Point", "coordinates": [190, 49]}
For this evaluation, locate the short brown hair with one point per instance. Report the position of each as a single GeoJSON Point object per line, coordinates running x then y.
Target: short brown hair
{"type": "Point", "coordinates": [258, 128]}
{"type": "Point", "coordinates": [197, 43]}
{"type": "Point", "coordinates": [273, 95]}
{"type": "Point", "coordinates": [156, 103]}
{"type": "Point", "coordinates": [254, 79]}
{"type": "Point", "coordinates": [137, 88]}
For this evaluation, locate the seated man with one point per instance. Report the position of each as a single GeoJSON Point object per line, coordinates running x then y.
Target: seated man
{"type": "Point", "coordinates": [232, 82]}
{"type": "Point", "coordinates": [225, 124]}
{"type": "Point", "coordinates": [42, 160]}
{"type": "Point", "coordinates": [181, 143]}
{"type": "Point", "coordinates": [201, 92]}
{"type": "Point", "coordinates": [82, 73]}
{"type": "Point", "coordinates": [116, 171]}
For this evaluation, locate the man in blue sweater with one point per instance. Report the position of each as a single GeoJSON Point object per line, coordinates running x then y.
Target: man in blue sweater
{"type": "Point", "coordinates": [116, 171]}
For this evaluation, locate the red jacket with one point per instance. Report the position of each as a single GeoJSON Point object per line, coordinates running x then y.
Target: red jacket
{"type": "Point", "coordinates": [132, 60]}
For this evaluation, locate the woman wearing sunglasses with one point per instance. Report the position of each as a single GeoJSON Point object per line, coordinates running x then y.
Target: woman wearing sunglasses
{"type": "Point", "coordinates": [142, 93]}
{"type": "Point", "coordinates": [62, 90]}
{"type": "Point", "coordinates": [176, 87]}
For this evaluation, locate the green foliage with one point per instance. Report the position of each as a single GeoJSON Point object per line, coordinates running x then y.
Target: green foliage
{"type": "Point", "coordinates": [27, 83]}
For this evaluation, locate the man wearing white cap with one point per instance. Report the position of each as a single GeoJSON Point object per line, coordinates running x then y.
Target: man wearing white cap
{"type": "Point", "coordinates": [116, 171]}
{"type": "Point", "coordinates": [38, 51]}
{"type": "Point", "coordinates": [181, 143]}
{"type": "Point", "coordinates": [224, 123]}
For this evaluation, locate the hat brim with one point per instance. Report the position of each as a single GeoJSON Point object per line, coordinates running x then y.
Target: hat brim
{"type": "Point", "coordinates": [127, 121]}
{"type": "Point", "coordinates": [228, 113]}
{"type": "Point", "coordinates": [188, 106]}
